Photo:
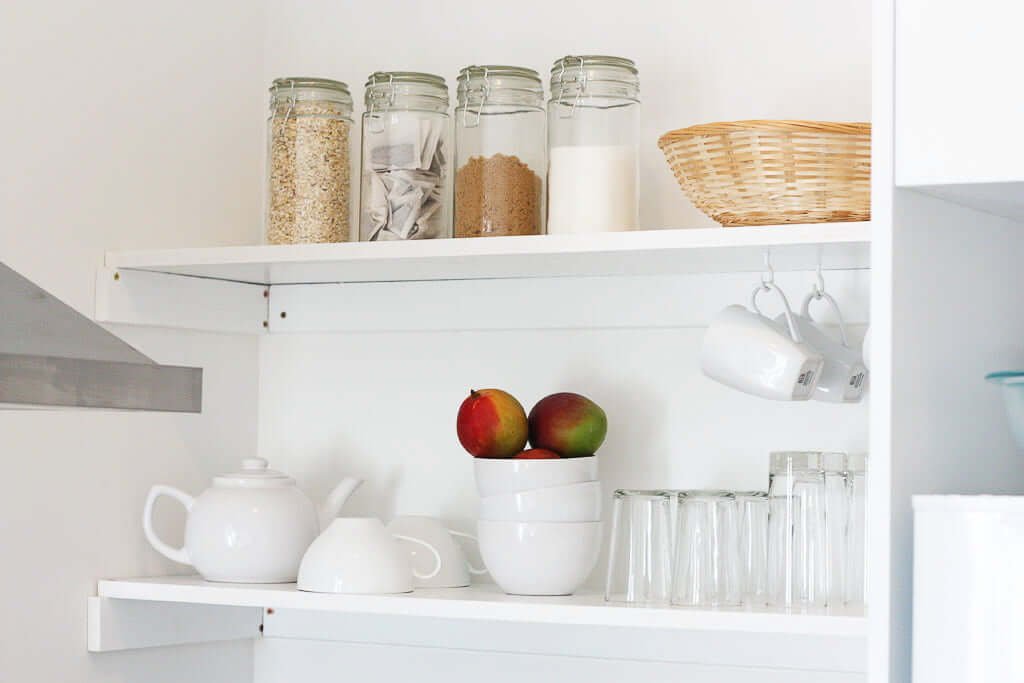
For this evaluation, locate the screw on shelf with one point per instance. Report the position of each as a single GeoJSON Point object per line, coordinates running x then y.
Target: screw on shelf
{"type": "Point", "coordinates": [270, 610]}
{"type": "Point", "coordinates": [266, 323]}
{"type": "Point", "coordinates": [266, 293]}
{"type": "Point", "coordinates": [284, 314]}
{"type": "Point", "coordinates": [117, 276]}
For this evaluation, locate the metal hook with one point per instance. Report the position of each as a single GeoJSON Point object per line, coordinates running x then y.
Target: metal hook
{"type": "Point", "coordinates": [768, 276]}
{"type": "Point", "coordinates": [819, 283]}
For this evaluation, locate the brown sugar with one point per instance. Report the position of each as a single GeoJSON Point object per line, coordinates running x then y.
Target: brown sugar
{"type": "Point", "coordinates": [497, 195]}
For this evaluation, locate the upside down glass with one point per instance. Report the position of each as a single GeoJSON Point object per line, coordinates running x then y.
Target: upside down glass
{"type": "Point", "coordinates": [856, 483]}
{"type": "Point", "coordinates": [752, 508]}
{"type": "Point", "coordinates": [797, 566]}
{"type": "Point", "coordinates": [837, 511]}
{"type": "Point", "coordinates": [706, 572]}
{"type": "Point", "coordinates": [640, 557]}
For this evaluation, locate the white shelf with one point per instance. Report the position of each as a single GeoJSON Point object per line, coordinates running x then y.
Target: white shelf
{"type": "Point", "coordinates": [485, 602]}
{"type": "Point", "coordinates": [131, 613]}
{"type": "Point", "coordinates": [647, 252]}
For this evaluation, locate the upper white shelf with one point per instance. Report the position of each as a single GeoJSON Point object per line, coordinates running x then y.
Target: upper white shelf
{"type": "Point", "coordinates": [647, 252]}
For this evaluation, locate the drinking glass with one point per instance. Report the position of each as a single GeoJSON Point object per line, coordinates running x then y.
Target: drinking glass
{"type": "Point", "coordinates": [837, 511]}
{"type": "Point", "coordinates": [706, 572]}
{"type": "Point", "coordinates": [797, 569]}
{"type": "Point", "coordinates": [640, 557]}
{"type": "Point", "coordinates": [856, 482]}
{"type": "Point", "coordinates": [752, 509]}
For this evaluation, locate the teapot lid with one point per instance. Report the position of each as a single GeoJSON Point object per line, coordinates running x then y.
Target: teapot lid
{"type": "Point", "coordinates": [254, 474]}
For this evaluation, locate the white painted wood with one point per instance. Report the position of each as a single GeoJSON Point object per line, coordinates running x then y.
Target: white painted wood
{"type": "Point", "coordinates": [698, 642]}
{"type": "Point", "coordinates": [116, 625]}
{"type": "Point", "coordinates": [157, 299]}
{"type": "Point", "coordinates": [882, 657]}
{"type": "Point", "coordinates": [544, 303]}
{"type": "Point", "coordinates": [1000, 199]}
{"type": "Point", "coordinates": [482, 603]}
{"type": "Point", "coordinates": [651, 252]}
{"type": "Point", "coordinates": [280, 660]}
{"type": "Point", "coordinates": [958, 107]}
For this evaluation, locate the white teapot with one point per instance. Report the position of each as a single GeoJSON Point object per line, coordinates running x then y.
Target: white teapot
{"type": "Point", "coordinates": [252, 526]}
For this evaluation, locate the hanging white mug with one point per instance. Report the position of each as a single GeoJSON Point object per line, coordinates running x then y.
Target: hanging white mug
{"type": "Point", "coordinates": [747, 351]}
{"type": "Point", "coordinates": [843, 375]}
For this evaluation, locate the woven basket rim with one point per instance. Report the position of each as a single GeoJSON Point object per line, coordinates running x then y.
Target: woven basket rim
{"type": "Point", "coordinates": [726, 127]}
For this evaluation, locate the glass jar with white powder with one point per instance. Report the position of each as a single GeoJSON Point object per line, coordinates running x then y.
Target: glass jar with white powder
{"type": "Point", "coordinates": [592, 145]}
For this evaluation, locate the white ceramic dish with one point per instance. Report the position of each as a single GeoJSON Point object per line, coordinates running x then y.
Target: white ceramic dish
{"type": "Point", "coordinates": [496, 477]}
{"type": "Point", "coordinates": [539, 558]}
{"type": "Point", "coordinates": [455, 568]}
{"type": "Point", "coordinates": [571, 503]}
{"type": "Point", "coordinates": [357, 555]}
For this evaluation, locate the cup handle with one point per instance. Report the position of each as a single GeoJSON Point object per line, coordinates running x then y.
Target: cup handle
{"type": "Point", "coordinates": [772, 287]}
{"type": "Point", "coordinates": [816, 294]}
{"type": "Point", "coordinates": [176, 554]}
{"type": "Point", "coordinates": [472, 570]}
{"type": "Point", "coordinates": [433, 551]}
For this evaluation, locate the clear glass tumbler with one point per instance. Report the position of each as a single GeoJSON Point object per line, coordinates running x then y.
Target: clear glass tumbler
{"type": "Point", "coordinates": [856, 483]}
{"type": "Point", "coordinates": [752, 511]}
{"type": "Point", "coordinates": [706, 572]}
{"type": "Point", "coordinates": [640, 557]}
{"type": "Point", "coordinates": [797, 568]}
{"type": "Point", "coordinates": [837, 512]}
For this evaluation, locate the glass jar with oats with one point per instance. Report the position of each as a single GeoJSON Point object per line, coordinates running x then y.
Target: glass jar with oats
{"type": "Point", "coordinates": [500, 152]}
{"type": "Point", "coordinates": [308, 161]}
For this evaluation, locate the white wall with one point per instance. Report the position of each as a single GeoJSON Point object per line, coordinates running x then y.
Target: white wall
{"type": "Point", "coordinates": [699, 60]}
{"type": "Point", "coordinates": [123, 124]}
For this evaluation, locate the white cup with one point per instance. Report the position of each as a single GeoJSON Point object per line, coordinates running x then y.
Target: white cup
{"type": "Point", "coordinates": [499, 476]}
{"type": "Point", "coordinates": [357, 555]}
{"type": "Point", "coordinates": [539, 558]}
{"type": "Point", "coordinates": [455, 569]}
{"type": "Point", "coordinates": [843, 375]}
{"type": "Point", "coordinates": [747, 351]}
{"type": "Point", "coordinates": [572, 503]}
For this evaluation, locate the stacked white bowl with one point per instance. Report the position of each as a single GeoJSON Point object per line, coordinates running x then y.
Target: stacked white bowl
{"type": "Point", "coordinates": [540, 522]}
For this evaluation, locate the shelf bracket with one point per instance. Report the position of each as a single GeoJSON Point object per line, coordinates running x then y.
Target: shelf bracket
{"type": "Point", "coordinates": [132, 624]}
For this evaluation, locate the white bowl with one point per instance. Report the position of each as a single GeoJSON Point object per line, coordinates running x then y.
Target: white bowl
{"type": "Point", "coordinates": [571, 503]}
{"type": "Point", "coordinates": [355, 555]}
{"type": "Point", "coordinates": [539, 558]}
{"type": "Point", "coordinates": [495, 477]}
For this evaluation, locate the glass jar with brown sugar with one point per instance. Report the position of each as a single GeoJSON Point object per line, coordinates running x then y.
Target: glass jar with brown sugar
{"type": "Point", "coordinates": [500, 152]}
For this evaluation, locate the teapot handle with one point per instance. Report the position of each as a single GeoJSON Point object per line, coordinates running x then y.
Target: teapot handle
{"type": "Point", "coordinates": [472, 570]}
{"type": "Point", "coordinates": [176, 554]}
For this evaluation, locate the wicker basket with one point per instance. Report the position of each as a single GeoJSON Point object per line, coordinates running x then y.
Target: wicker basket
{"type": "Point", "coordinates": [773, 172]}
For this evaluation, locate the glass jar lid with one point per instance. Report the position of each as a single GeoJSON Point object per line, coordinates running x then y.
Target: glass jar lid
{"type": "Point", "coordinates": [575, 77]}
{"type": "Point", "coordinates": [285, 93]}
{"type": "Point", "coordinates": [497, 84]}
{"type": "Point", "coordinates": [389, 90]}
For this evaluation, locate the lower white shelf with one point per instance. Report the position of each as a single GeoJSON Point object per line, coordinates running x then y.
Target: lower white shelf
{"type": "Point", "coordinates": [479, 617]}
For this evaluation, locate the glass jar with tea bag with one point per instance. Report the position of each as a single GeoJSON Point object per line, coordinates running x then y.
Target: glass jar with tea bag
{"type": "Point", "coordinates": [592, 145]}
{"type": "Point", "coordinates": [406, 187]}
{"type": "Point", "coordinates": [500, 152]}
{"type": "Point", "coordinates": [308, 161]}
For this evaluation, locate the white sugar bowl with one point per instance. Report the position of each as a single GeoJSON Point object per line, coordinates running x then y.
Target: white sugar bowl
{"type": "Point", "coordinates": [252, 526]}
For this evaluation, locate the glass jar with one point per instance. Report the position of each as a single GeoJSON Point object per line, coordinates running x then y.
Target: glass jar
{"type": "Point", "coordinates": [500, 152]}
{"type": "Point", "coordinates": [405, 190]}
{"type": "Point", "coordinates": [592, 145]}
{"type": "Point", "coordinates": [308, 161]}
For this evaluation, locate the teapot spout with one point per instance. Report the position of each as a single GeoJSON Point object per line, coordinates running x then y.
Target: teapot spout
{"type": "Point", "coordinates": [332, 506]}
